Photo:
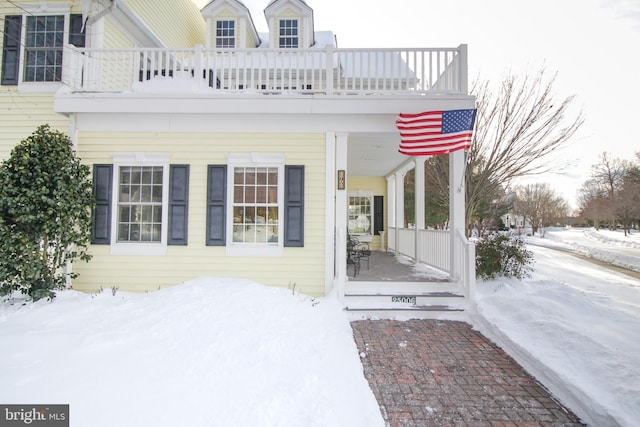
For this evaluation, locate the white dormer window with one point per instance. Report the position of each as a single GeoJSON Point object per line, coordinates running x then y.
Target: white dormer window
{"type": "Point", "coordinates": [225, 34]}
{"type": "Point", "coordinates": [288, 33]}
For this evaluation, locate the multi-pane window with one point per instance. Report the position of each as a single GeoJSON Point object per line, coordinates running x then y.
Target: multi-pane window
{"type": "Point", "coordinates": [255, 205]}
{"type": "Point", "coordinates": [44, 38]}
{"type": "Point", "coordinates": [226, 34]}
{"type": "Point", "coordinates": [360, 215]}
{"type": "Point", "coordinates": [288, 33]}
{"type": "Point", "coordinates": [140, 204]}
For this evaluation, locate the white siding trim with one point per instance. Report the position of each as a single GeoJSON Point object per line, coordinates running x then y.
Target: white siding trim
{"type": "Point", "coordinates": [330, 206]}
{"type": "Point", "coordinates": [46, 8]}
{"type": "Point", "coordinates": [341, 215]}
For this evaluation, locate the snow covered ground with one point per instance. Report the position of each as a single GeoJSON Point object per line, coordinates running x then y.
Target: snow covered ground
{"type": "Point", "coordinates": [574, 325]}
{"type": "Point", "coordinates": [234, 353]}
{"type": "Point", "coordinates": [208, 352]}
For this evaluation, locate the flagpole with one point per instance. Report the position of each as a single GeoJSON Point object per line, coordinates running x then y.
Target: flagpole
{"type": "Point", "coordinates": [464, 171]}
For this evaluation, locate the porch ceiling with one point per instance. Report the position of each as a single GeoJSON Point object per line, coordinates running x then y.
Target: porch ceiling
{"type": "Point", "coordinates": [373, 154]}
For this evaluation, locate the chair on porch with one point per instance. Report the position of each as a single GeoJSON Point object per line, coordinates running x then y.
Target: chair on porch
{"type": "Point", "coordinates": [356, 252]}
{"type": "Point", "coordinates": [352, 257]}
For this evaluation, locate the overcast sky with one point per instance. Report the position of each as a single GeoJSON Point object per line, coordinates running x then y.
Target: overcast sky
{"type": "Point", "coordinates": [593, 45]}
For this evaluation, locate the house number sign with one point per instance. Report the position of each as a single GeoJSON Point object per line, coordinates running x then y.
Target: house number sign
{"type": "Point", "coordinates": [406, 300]}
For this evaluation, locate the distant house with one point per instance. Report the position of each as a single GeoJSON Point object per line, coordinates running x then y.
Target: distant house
{"type": "Point", "coordinates": [219, 151]}
{"type": "Point", "coordinates": [518, 222]}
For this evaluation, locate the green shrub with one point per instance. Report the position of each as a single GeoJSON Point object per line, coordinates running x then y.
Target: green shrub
{"type": "Point", "coordinates": [45, 214]}
{"type": "Point", "coordinates": [501, 255]}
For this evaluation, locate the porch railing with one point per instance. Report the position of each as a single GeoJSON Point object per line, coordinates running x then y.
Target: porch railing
{"type": "Point", "coordinates": [307, 71]}
{"type": "Point", "coordinates": [467, 265]}
{"type": "Point", "coordinates": [434, 246]}
{"type": "Point", "coordinates": [435, 250]}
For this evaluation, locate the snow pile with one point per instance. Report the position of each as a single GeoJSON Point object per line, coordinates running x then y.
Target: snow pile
{"type": "Point", "coordinates": [612, 247]}
{"type": "Point", "coordinates": [573, 325]}
{"type": "Point", "coordinates": [209, 352]}
{"type": "Point", "coordinates": [229, 352]}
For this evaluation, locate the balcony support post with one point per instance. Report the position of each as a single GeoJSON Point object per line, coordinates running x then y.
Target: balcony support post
{"type": "Point", "coordinates": [463, 69]}
{"type": "Point", "coordinates": [419, 206]}
{"type": "Point", "coordinates": [330, 73]}
{"type": "Point", "coordinates": [457, 192]}
{"type": "Point", "coordinates": [197, 63]}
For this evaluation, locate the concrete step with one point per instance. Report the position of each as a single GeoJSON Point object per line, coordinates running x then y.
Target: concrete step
{"type": "Point", "coordinates": [426, 300]}
{"type": "Point", "coordinates": [407, 298]}
{"type": "Point", "coordinates": [425, 312]}
{"type": "Point", "coordinates": [400, 288]}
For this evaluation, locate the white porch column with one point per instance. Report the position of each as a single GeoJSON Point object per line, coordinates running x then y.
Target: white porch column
{"type": "Point", "coordinates": [391, 209]}
{"type": "Point", "coordinates": [341, 207]}
{"type": "Point", "coordinates": [399, 181]}
{"type": "Point", "coordinates": [456, 209]}
{"type": "Point", "coordinates": [330, 272]}
{"type": "Point", "coordinates": [419, 208]}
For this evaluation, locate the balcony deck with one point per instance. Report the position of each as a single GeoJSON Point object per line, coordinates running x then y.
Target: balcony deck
{"type": "Point", "coordinates": [330, 71]}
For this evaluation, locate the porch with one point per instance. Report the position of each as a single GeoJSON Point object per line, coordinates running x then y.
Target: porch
{"type": "Point", "coordinates": [437, 274]}
{"type": "Point", "coordinates": [391, 285]}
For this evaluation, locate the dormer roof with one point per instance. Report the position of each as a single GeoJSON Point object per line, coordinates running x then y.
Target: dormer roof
{"type": "Point", "coordinates": [278, 10]}
{"type": "Point", "coordinates": [238, 8]}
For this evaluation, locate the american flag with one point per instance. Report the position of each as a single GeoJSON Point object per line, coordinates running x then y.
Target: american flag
{"type": "Point", "coordinates": [435, 132]}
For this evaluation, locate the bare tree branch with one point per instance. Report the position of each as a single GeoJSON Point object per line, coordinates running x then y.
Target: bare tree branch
{"type": "Point", "coordinates": [518, 129]}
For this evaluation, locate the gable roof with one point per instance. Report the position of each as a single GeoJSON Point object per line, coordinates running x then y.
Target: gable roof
{"type": "Point", "coordinates": [239, 9]}
{"type": "Point", "coordinates": [298, 4]}
{"type": "Point", "coordinates": [302, 8]}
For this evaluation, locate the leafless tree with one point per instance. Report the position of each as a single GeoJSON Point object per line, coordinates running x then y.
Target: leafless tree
{"type": "Point", "coordinates": [540, 205]}
{"type": "Point", "coordinates": [602, 197]}
{"type": "Point", "coordinates": [609, 172]}
{"type": "Point", "coordinates": [518, 129]}
{"type": "Point", "coordinates": [627, 206]}
{"type": "Point", "coordinates": [594, 202]}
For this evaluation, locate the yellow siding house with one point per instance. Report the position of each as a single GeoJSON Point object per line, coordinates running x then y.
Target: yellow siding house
{"type": "Point", "coordinates": [220, 151]}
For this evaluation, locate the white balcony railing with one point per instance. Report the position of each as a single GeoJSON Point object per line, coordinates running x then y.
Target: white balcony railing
{"type": "Point", "coordinates": [328, 71]}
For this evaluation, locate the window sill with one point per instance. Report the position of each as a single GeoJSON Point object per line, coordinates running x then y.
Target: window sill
{"type": "Point", "coordinates": [258, 251]}
{"type": "Point", "coordinates": [39, 87]}
{"type": "Point", "coordinates": [143, 249]}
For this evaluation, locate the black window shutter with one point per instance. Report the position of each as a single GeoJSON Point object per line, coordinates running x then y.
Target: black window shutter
{"type": "Point", "coordinates": [378, 214]}
{"type": "Point", "coordinates": [216, 205]}
{"type": "Point", "coordinates": [102, 179]}
{"type": "Point", "coordinates": [76, 31]}
{"type": "Point", "coordinates": [294, 206]}
{"type": "Point", "coordinates": [178, 204]}
{"type": "Point", "coordinates": [11, 50]}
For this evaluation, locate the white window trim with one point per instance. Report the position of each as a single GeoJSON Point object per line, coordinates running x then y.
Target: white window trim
{"type": "Point", "coordinates": [43, 9]}
{"type": "Point", "coordinates": [255, 160]}
{"type": "Point", "coordinates": [363, 237]}
{"type": "Point", "coordinates": [46, 8]}
{"type": "Point", "coordinates": [139, 248]}
{"type": "Point", "coordinates": [235, 32]}
{"type": "Point", "coordinates": [279, 37]}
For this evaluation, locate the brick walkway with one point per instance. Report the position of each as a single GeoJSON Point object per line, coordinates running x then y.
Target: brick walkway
{"type": "Point", "coordinates": [444, 373]}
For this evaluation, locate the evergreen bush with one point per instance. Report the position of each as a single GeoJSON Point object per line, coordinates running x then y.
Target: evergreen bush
{"type": "Point", "coordinates": [501, 255]}
{"type": "Point", "coordinates": [45, 214]}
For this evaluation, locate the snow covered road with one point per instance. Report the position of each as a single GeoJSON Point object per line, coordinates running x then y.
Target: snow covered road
{"type": "Point", "coordinates": [573, 324]}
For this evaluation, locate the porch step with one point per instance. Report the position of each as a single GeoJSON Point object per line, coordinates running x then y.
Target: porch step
{"type": "Point", "coordinates": [424, 300]}
{"type": "Point", "coordinates": [395, 299]}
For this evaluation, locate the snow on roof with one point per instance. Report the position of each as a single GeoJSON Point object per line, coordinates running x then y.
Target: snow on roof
{"type": "Point", "coordinates": [322, 39]}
